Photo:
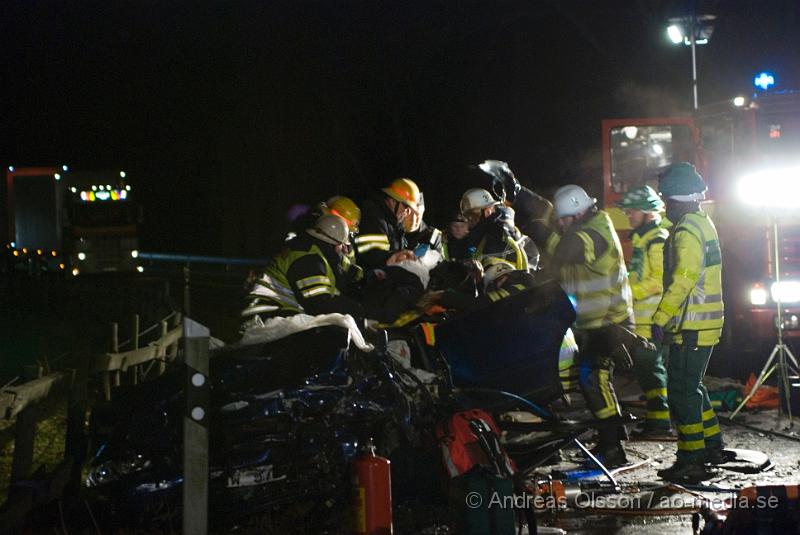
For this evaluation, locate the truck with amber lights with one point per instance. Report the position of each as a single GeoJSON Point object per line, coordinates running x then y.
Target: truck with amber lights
{"type": "Point", "coordinates": [748, 149]}
{"type": "Point", "coordinates": [73, 222]}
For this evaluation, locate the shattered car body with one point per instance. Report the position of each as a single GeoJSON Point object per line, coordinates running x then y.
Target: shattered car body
{"type": "Point", "coordinates": [289, 416]}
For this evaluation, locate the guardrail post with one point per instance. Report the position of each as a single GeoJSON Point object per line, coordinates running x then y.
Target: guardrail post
{"type": "Point", "coordinates": [22, 463]}
{"type": "Point", "coordinates": [76, 441]}
{"type": "Point", "coordinates": [106, 376]}
{"type": "Point", "coordinates": [115, 347]}
{"type": "Point", "coordinates": [162, 361]}
{"type": "Point", "coordinates": [186, 294]}
{"type": "Point", "coordinates": [135, 369]}
{"type": "Point", "coordinates": [173, 351]}
{"type": "Point", "coordinates": [195, 429]}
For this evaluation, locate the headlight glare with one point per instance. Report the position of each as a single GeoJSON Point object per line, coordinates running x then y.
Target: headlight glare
{"type": "Point", "coordinates": [110, 471]}
{"type": "Point", "coordinates": [758, 295]}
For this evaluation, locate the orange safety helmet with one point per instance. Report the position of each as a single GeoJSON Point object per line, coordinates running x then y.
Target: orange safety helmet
{"type": "Point", "coordinates": [405, 191]}
{"type": "Point", "coordinates": [345, 208]}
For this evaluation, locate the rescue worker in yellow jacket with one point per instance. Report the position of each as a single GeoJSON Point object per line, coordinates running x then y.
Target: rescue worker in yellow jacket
{"type": "Point", "coordinates": [301, 278]}
{"type": "Point", "coordinates": [350, 273]}
{"type": "Point", "coordinates": [587, 258]}
{"type": "Point", "coordinates": [642, 205]}
{"type": "Point", "coordinates": [691, 311]}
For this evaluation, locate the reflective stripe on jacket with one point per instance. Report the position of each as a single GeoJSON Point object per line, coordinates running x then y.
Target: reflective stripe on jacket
{"type": "Point", "coordinates": [599, 285]}
{"type": "Point", "coordinates": [379, 236]}
{"type": "Point", "coordinates": [511, 252]}
{"type": "Point", "coordinates": [275, 295]}
{"type": "Point", "coordinates": [646, 274]}
{"type": "Point", "coordinates": [693, 280]}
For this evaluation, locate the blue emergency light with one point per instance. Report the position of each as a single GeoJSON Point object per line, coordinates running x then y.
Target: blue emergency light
{"type": "Point", "coordinates": [764, 80]}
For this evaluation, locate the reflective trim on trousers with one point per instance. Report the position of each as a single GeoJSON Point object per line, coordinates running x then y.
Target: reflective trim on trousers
{"type": "Point", "coordinates": [656, 393]}
{"type": "Point", "coordinates": [605, 389]}
{"type": "Point", "coordinates": [690, 429]}
{"type": "Point", "coordinates": [691, 445]}
{"type": "Point", "coordinates": [606, 412]}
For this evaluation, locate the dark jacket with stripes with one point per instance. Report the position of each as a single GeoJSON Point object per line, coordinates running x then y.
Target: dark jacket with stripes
{"type": "Point", "coordinates": [379, 236]}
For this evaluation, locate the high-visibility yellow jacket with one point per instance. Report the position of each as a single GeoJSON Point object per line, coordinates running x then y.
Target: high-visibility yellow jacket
{"type": "Point", "coordinates": [298, 279]}
{"type": "Point", "coordinates": [596, 278]}
{"type": "Point", "coordinates": [646, 273]}
{"type": "Point", "coordinates": [692, 298]}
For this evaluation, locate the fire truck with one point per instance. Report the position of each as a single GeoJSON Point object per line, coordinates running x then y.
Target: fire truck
{"type": "Point", "coordinates": [71, 222]}
{"type": "Point", "coordinates": [739, 147]}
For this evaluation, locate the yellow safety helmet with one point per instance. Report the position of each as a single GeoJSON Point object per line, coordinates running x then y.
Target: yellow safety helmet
{"type": "Point", "coordinates": [345, 208]}
{"type": "Point", "coordinates": [405, 191]}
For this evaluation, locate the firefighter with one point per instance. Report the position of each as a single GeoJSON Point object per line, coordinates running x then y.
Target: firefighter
{"type": "Point", "coordinates": [302, 277]}
{"type": "Point", "coordinates": [587, 258]}
{"type": "Point", "coordinates": [454, 241]}
{"type": "Point", "coordinates": [692, 312]}
{"type": "Point", "coordinates": [348, 271]}
{"type": "Point", "coordinates": [419, 235]}
{"type": "Point", "coordinates": [528, 206]}
{"type": "Point", "coordinates": [381, 240]}
{"type": "Point", "coordinates": [642, 205]}
{"type": "Point", "coordinates": [491, 228]}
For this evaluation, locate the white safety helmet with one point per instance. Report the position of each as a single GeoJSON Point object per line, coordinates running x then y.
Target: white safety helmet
{"type": "Point", "coordinates": [330, 229]}
{"type": "Point", "coordinates": [571, 200]}
{"type": "Point", "coordinates": [476, 199]}
{"type": "Point", "coordinates": [494, 268]}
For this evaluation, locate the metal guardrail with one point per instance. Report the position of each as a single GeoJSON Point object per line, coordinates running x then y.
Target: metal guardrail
{"type": "Point", "coordinates": [20, 403]}
{"type": "Point", "coordinates": [199, 259]}
{"type": "Point", "coordinates": [211, 289]}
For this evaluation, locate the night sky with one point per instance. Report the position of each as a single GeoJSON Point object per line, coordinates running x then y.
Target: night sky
{"type": "Point", "coordinates": [224, 114]}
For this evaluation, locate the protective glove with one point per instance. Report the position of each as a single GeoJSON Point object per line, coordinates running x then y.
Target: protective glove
{"type": "Point", "coordinates": [657, 333]}
{"type": "Point", "coordinates": [622, 358]}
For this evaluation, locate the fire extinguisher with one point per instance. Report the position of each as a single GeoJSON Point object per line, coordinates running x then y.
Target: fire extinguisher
{"type": "Point", "coordinates": [372, 484]}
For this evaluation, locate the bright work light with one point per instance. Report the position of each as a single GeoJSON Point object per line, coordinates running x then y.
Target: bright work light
{"type": "Point", "coordinates": [675, 34]}
{"type": "Point", "coordinates": [778, 188]}
{"type": "Point", "coordinates": [775, 188]}
{"type": "Point", "coordinates": [787, 291]}
{"type": "Point", "coordinates": [758, 295]}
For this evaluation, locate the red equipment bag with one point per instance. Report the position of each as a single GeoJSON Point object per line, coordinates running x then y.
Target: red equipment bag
{"type": "Point", "coordinates": [471, 438]}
